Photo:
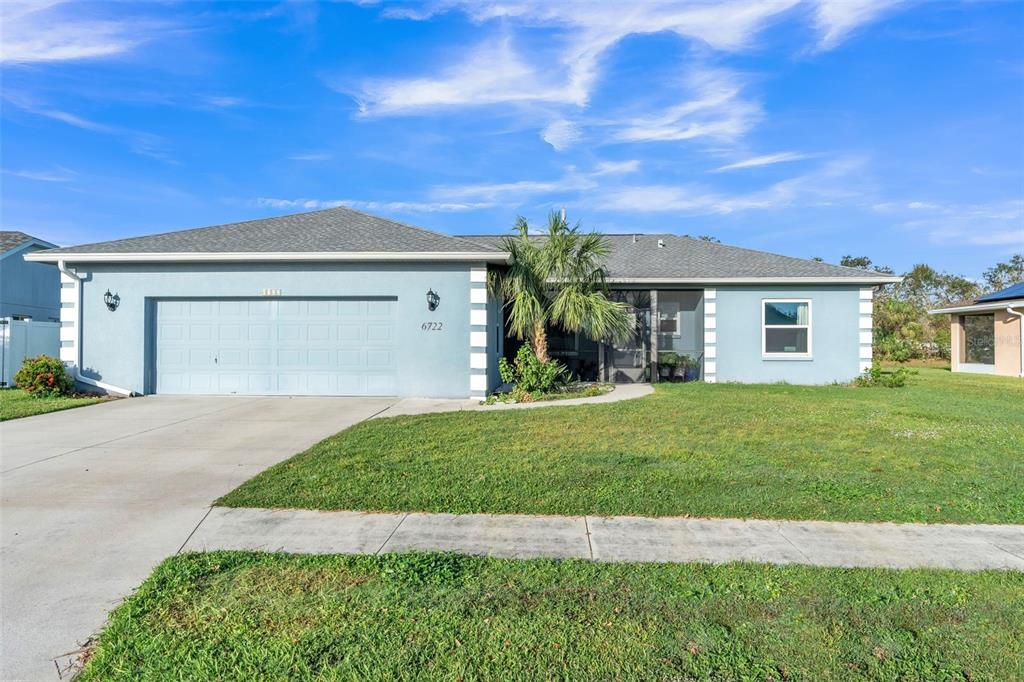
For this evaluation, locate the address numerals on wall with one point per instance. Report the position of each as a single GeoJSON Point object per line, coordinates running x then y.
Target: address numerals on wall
{"type": "Point", "coordinates": [432, 326]}
{"type": "Point", "coordinates": [270, 292]}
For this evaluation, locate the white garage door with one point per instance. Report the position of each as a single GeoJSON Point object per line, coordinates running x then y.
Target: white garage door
{"type": "Point", "coordinates": [276, 347]}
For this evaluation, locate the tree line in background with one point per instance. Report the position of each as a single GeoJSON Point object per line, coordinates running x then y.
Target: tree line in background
{"type": "Point", "coordinates": [903, 328]}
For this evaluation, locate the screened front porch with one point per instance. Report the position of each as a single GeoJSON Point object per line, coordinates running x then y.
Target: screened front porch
{"type": "Point", "coordinates": [667, 344]}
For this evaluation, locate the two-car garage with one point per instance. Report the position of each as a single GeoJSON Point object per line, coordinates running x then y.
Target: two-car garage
{"type": "Point", "coordinates": [332, 302]}
{"type": "Point", "coordinates": [275, 346]}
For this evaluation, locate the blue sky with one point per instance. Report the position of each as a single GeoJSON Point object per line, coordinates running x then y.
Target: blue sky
{"type": "Point", "coordinates": [811, 128]}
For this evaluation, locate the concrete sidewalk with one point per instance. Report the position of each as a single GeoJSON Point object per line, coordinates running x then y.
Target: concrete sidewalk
{"type": "Point", "coordinates": [623, 538]}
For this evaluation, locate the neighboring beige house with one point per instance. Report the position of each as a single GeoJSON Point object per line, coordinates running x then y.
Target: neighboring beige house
{"type": "Point", "coordinates": [986, 334]}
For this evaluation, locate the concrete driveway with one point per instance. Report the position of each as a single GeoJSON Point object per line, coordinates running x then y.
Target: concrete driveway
{"type": "Point", "coordinates": [93, 498]}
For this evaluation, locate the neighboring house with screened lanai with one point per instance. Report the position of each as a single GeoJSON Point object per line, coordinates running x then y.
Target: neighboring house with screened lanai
{"type": "Point", "coordinates": [338, 302]}
{"type": "Point", "coordinates": [985, 334]}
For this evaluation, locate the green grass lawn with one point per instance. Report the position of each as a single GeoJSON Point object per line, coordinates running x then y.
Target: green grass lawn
{"type": "Point", "coordinates": [15, 403]}
{"type": "Point", "coordinates": [248, 616]}
{"type": "Point", "coordinates": [946, 448]}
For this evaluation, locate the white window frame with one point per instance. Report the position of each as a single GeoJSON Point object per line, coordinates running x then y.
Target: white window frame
{"type": "Point", "coordinates": [678, 317]}
{"type": "Point", "coordinates": [809, 326]}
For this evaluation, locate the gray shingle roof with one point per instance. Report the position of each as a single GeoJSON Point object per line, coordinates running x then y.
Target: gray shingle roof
{"type": "Point", "coordinates": [334, 230]}
{"type": "Point", "coordinates": [343, 230]}
{"type": "Point", "coordinates": [12, 239]}
{"type": "Point", "coordinates": [640, 257]}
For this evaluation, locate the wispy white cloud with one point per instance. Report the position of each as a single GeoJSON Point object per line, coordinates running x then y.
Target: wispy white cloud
{"type": "Point", "coordinates": [60, 174]}
{"type": "Point", "coordinates": [224, 101]}
{"type": "Point", "coordinates": [139, 142]}
{"type": "Point", "coordinates": [513, 193]}
{"type": "Point", "coordinates": [493, 73]}
{"type": "Point", "coordinates": [496, 74]}
{"type": "Point", "coordinates": [830, 184]}
{"type": "Point", "coordinates": [716, 109]}
{"type": "Point", "coordinates": [836, 19]}
{"type": "Point", "coordinates": [312, 156]}
{"type": "Point", "coordinates": [999, 223]}
{"type": "Point", "coordinates": [561, 134]}
{"type": "Point", "coordinates": [55, 31]}
{"type": "Point", "coordinates": [765, 160]}
{"type": "Point", "coordinates": [616, 167]}
{"type": "Point", "coordinates": [400, 206]}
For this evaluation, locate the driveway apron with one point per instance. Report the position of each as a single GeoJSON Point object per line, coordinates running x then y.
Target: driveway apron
{"type": "Point", "coordinates": [93, 498]}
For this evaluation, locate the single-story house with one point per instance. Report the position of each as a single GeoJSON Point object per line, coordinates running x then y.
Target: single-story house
{"type": "Point", "coordinates": [28, 291]}
{"type": "Point", "coordinates": [338, 302]}
{"type": "Point", "coordinates": [985, 334]}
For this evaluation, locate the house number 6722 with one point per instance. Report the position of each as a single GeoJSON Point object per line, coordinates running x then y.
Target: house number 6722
{"type": "Point", "coordinates": [432, 326]}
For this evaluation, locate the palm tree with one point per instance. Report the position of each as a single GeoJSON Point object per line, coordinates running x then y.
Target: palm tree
{"type": "Point", "coordinates": [558, 279]}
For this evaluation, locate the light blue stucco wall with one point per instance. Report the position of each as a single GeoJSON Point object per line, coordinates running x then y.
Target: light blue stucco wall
{"type": "Point", "coordinates": [29, 289]}
{"type": "Point", "coordinates": [835, 328]}
{"type": "Point", "coordinates": [116, 346]}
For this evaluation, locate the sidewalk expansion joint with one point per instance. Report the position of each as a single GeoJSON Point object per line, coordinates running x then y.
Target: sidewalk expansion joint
{"type": "Point", "coordinates": [394, 530]}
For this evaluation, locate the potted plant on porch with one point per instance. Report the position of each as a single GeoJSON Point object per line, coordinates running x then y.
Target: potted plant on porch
{"type": "Point", "coordinates": [668, 365]}
{"type": "Point", "coordinates": [691, 368]}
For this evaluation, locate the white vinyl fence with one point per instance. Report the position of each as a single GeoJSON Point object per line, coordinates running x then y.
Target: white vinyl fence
{"type": "Point", "coordinates": [20, 339]}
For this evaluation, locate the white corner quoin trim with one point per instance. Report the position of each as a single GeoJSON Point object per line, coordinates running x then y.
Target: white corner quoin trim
{"type": "Point", "coordinates": [71, 319]}
{"type": "Point", "coordinates": [710, 335]}
{"type": "Point", "coordinates": [866, 331]}
{"type": "Point", "coordinates": [478, 334]}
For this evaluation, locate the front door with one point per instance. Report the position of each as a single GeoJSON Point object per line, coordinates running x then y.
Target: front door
{"type": "Point", "coordinates": [628, 361]}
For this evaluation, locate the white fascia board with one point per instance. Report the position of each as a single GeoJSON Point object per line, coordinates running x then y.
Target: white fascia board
{"type": "Point", "coordinates": [980, 307]}
{"type": "Point", "coordinates": [754, 280]}
{"type": "Point", "coordinates": [349, 256]}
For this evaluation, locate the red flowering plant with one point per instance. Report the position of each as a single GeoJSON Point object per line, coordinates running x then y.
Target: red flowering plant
{"type": "Point", "coordinates": [44, 376]}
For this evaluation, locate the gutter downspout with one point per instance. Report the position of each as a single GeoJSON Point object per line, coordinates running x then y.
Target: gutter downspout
{"type": "Point", "coordinates": [1020, 316]}
{"type": "Point", "coordinates": [78, 331]}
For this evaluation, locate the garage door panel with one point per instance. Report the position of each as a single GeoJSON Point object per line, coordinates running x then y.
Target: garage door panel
{"type": "Point", "coordinates": [379, 332]}
{"type": "Point", "coordinates": [318, 332]}
{"type": "Point", "coordinates": [378, 358]}
{"type": "Point", "coordinates": [350, 333]}
{"type": "Point", "coordinates": [320, 357]}
{"type": "Point", "coordinates": [230, 308]}
{"type": "Point", "coordinates": [230, 357]}
{"type": "Point", "coordinates": [350, 358]}
{"type": "Point", "coordinates": [320, 308]}
{"type": "Point", "coordinates": [229, 383]}
{"type": "Point", "coordinates": [287, 347]}
{"type": "Point", "coordinates": [172, 332]}
{"type": "Point", "coordinates": [229, 332]}
{"type": "Point", "coordinates": [258, 308]}
{"type": "Point", "coordinates": [258, 332]}
{"type": "Point", "coordinates": [200, 332]}
{"type": "Point", "coordinates": [380, 308]}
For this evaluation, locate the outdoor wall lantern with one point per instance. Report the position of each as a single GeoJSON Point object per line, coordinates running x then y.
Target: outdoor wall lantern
{"type": "Point", "coordinates": [112, 300]}
{"type": "Point", "coordinates": [433, 300]}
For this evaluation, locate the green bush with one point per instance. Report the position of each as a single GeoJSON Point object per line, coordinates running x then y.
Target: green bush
{"type": "Point", "coordinates": [874, 376]}
{"type": "Point", "coordinates": [530, 375]}
{"type": "Point", "coordinates": [898, 348]}
{"type": "Point", "coordinates": [44, 376]}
